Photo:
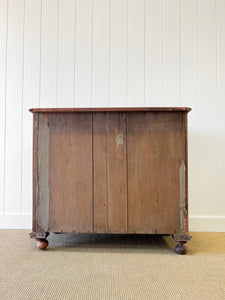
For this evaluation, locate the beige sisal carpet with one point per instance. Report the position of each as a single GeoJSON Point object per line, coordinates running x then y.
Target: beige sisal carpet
{"type": "Point", "coordinates": [111, 267]}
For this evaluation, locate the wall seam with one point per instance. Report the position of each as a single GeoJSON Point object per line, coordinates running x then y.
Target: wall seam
{"type": "Point", "coordinates": [6, 75]}
{"type": "Point", "coordinates": [127, 77]}
{"type": "Point", "coordinates": [163, 100]}
{"type": "Point", "coordinates": [40, 68]}
{"type": "Point", "coordinates": [57, 56]}
{"type": "Point", "coordinates": [198, 87]}
{"type": "Point", "coordinates": [144, 52]}
{"type": "Point", "coordinates": [92, 42]}
{"type": "Point", "coordinates": [74, 57]}
{"type": "Point", "coordinates": [109, 98]}
{"type": "Point", "coordinates": [181, 65]}
{"type": "Point", "coordinates": [22, 102]}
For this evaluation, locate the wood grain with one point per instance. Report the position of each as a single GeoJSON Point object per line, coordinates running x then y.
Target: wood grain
{"type": "Point", "coordinates": [117, 172]}
{"type": "Point", "coordinates": [70, 172]}
{"type": "Point", "coordinates": [156, 149]}
{"type": "Point", "coordinates": [100, 172]}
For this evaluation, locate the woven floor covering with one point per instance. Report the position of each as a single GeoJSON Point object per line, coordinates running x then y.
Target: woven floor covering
{"type": "Point", "coordinates": [85, 266]}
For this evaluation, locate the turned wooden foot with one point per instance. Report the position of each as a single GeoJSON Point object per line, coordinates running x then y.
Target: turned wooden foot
{"type": "Point", "coordinates": [180, 248]}
{"type": "Point", "coordinates": [42, 244]}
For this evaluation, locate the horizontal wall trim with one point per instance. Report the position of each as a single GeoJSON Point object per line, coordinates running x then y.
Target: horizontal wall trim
{"type": "Point", "coordinates": [15, 221]}
{"type": "Point", "coordinates": [196, 223]}
{"type": "Point", "coordinates": [207, 223]}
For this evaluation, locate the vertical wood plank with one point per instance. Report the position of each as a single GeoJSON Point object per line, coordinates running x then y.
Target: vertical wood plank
{"type": "Point", "coordinates": [153, 53]}
{"type": "Point", "coordinates": [118, 53]}
{"type": "Point", "coordinates": [155, 145]}
{"type": "Point", "coordinates": [66, 53]}
{"type": "Point", "coordinates": [110, 172]}
{"type": "Point", "coordinates": [189, 91]}
{"type": "Point", "coordinates": [49, 36]}
{"type": "Point", "coordinates": [171, 53]}
{"type": "Point", "coordinates": [208, 107]}
{"type": "Point", "coordinates": [101, 36]}
{"type": "Point", "coordinates": [14, 92]}
{"type": "Point", "coordinates": [83, 48]}
{"type": "Point", "coordinates": [100, 172]}
{"type": "Point", "coordinates": [136, 62]}
{"type": "Point", "coordinates": [220, 12]}
{"type": "Point", "coordinates": [117, 172]}
{"type": "Point", "coordinates": [32, 26]}
{"type": "Point", "coordinates": [3, 72]}
{"type": "Point", "coordinates": [70, 172]}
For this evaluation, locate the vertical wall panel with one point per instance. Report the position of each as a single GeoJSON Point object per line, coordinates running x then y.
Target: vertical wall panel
{"type": "Point", "coordinates": [118, 53]}
{"type": "Point", "coordinates": [66, 53]}
{"type": "Point", "coordinates": [83, 48]}
{"type": "Point", "coordinates": [153, 53]}
{"type": "Point", "coordinates": [32, 27]}
{"type": "Point", "coordinates": [208, 107]}
{"type": "Point", "coordinates": [3, 69]}
{"type": "Point", "coordinates": [49, 43]}
{"type": "Point", "coordinates": [14, 93]}
{"type": "Point", "coordinates": [101, 36]}
{"type": "Point", "coordinates": [189, 91]}
{"type": "Point", "coordinates": [220, 143]}
{"type": "Point", "coordinates": [136, 21]}
{"type": "Point", "coordinates": [171, 53]}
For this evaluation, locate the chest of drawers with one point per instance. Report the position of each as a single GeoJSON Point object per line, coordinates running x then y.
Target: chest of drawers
{"type": "Point", "coordinates": [110, 170]}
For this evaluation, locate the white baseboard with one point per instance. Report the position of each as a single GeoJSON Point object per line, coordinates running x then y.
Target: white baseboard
{"type": "Point", "coordinates": [207, 223]}
{"type": "Point", "coordinates": [196, 223]}
{"type": "Point", "coordinates": [16, 221]}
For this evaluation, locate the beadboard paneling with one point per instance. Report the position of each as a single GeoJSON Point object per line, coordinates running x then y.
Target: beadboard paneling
{"type": "Point", "coordinates": [69, 53]}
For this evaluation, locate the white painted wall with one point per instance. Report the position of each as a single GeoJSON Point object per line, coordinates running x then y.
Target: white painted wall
{"type": "Point", "coordinates": [66, 53]}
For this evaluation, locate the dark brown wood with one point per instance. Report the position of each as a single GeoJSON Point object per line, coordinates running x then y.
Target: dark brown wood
{"type": "Point", "coordinates": [180, 248]}
{"type": "Point", "coordinates": [108, 109]}
{"type": "Point", "coordinates": [42, 244]}
{"type": "Point", "coordinates": [110, 170]}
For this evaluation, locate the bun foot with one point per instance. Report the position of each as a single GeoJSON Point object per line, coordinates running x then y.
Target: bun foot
{"type": "Point", "coordinates": [180, 248]}
{"type": "Point", "coordinates": [42, 244]}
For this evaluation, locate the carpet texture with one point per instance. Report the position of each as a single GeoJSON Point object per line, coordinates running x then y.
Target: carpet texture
{"type": "Point", "coordinates": [83, 266]}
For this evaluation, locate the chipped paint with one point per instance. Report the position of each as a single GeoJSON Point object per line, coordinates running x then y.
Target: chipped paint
{"type": "Point", "coordinates": [119, 140]}
{"type": "Point", "coordinates": [183, 210]}
{"type": "Point", "coordinates": [42, 205]}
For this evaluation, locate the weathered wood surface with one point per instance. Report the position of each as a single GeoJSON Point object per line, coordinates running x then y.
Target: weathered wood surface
{"type": "Point", "coordinates": [156, 150]}
{"type": "Point", "coordinates": [109, 109]}
{"type": "Point", "coordinates": [117, 172]}
{"type": "Point", "coordinates": [100, 184]}
{"type": "Point", "coordinates": [70, 172]}
{"type": "Point", "coordinates": [111, 171]}
{"type": "Point", "coordinates": [41, 173]}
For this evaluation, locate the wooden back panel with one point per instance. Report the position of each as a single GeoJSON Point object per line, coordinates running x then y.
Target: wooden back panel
{"type": "Point", "coordinates": [110, 171]}
{"type": "Point", "coordinates": [156, 150]}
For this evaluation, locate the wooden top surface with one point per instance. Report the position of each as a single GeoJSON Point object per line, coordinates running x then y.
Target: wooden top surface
{"type": "Point", "coordinates": [108, 109]}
